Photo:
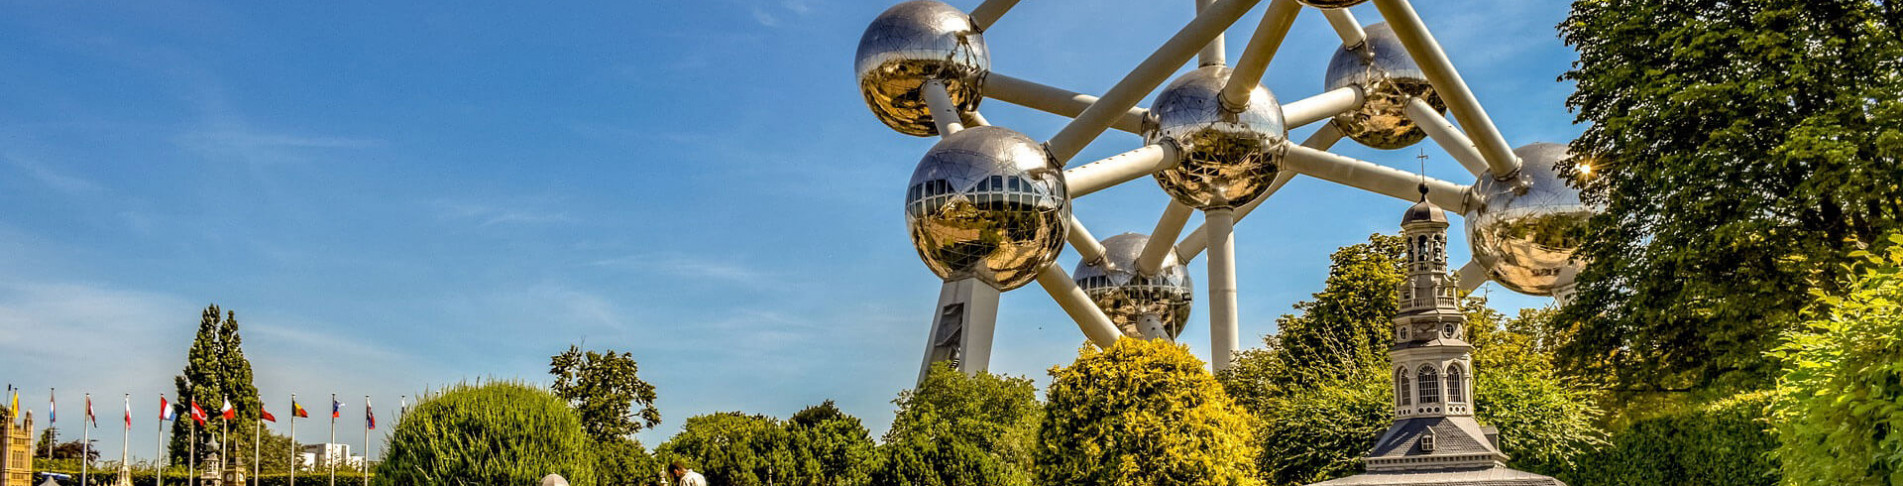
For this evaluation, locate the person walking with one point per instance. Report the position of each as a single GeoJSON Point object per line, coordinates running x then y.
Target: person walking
{"type": "Point", "coordinates": [684, 476]}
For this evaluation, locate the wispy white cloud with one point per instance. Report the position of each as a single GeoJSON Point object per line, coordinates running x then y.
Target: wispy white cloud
{"type": "Point", "coordinates": [57, 180]}
{"type": "Point", "coordinates": [691, 267]}
{"type": "Point", "coordinates": [765, 18]}
{"type": "Point", "coordinates": [491, 214]}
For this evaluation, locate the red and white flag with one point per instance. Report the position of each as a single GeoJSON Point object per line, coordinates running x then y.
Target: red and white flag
{"type": "Point", "coordinates": [89, 411]}
{"type": "Point", "coordinates": [198, 413]}
{"type": "Point", "coordinates": [128, 411]}
{"type": "Point", "coordinates": [227, 412]}
{"type": "Point", "coordinates": [166, 411]}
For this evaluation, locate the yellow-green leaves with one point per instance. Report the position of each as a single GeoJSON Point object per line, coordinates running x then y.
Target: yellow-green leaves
{"type": "Point", "coordinates": [1143, 413]}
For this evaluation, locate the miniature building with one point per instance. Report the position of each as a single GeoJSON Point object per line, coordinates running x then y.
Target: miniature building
{"type": "Point", "coordinates": [16, 449]}
{"type": "Point", "coordinates": [1435, 439]}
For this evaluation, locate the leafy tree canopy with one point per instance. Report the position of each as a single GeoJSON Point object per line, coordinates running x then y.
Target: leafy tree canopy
{"type": "Point", "coordinates": [216, 370]}
{"type": "Point", "coordinates": [1739, 148]}
{"type": "Point", "coordinates": [957, 429]}
{"type": "Point", "coordinates": [605, 387]}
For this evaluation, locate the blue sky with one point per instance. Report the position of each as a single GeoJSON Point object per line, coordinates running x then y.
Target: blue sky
{"type": "Point", "coordinates": [395, 197]}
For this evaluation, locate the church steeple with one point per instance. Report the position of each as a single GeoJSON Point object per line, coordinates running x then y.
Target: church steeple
{"type": "Point", "coordinates": [1433, 426]}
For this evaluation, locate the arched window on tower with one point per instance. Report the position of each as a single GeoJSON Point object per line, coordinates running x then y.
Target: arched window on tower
{"type": "Point", "coordinates": [1456, 384]}
{"type": "Point", "coordinates": [1400, 387]}
{"type": "Point", "coordinates": [1429, 383]}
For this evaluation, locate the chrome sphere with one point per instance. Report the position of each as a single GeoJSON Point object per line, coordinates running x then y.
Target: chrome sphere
{"type": "Point", "coordinates": [1128, 298]}
{"type": "Point", "coordinates": [911, 43]}
{"type": "Point", "coordinates": [988, 203]}
{"type": "Point", "coordinates": [1387, 78]}
{"type": "Point", "coordinates": [1526, 237]}
{"type": "Point", "coordinates": [1331, 3]}
{"type": "Point", "coordinates": [1228, 159]}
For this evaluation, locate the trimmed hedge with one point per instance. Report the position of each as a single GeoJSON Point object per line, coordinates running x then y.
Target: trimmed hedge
{"type": "Point", "coordinates": [178, 478]}
{"type": "Point", "coordinates": [496, 433]}
{"type": "Point", "coordinates": [1726, 442]}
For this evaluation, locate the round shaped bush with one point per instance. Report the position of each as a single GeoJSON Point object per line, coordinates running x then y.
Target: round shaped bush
{"type": "Point", "coordinates": [1143, 413]}
{"type": "Point", "coordinates": [494, 433]}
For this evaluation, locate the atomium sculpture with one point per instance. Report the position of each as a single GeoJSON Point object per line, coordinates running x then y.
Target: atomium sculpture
{"type": "Point", "coordinates": [989, 209]}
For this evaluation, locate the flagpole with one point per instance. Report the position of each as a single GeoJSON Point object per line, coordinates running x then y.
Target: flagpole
{"type": "Point", "coordinates": [257, 445]}
{"type": "Point", "coordinates": [125, 445]}
{"type": "Point", "coordinates": [85, 440]}
{"type": "Point", "coordinates": [367, 417]}
{"type": "Point", "coordinates": [191, 452]}
{"type": "Point", "coordinates": [331, 461]}
{"type": "Point", "coordinates": [293, 439]}
{"type": "Point", "coordinates": [52, 417]}
{"type": "Point", "coordinates": [158, 453]}
{"type": "Point", "coordinates": [224, 445]}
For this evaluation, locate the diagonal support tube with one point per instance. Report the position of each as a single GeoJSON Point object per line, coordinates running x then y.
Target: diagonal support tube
{"type": "Point", "coordinates": [1089, 318]}
{"type": "Point", "coordinates": [1471, 276]}
{"type": "Point", "coordinates": [1444, 133]}
{"type": "Point", "coordinates": [1447, 83]}
{"type": "Point", "coordinates": [1198, 240]}
{"type": "Point", "coordinates": [1352, 36]}
{"type": "Point", "coordinates": [988, 13]}
{"type": "Point", "coordinates": [1374, 177]}
{"type": "Point", "coordinates": [1322, 106]}
{"type": "Point", "coordinates": [1088, 248]}
{"type": "Point", "coordinates": [1255, 58]}
{"type": "Point", "coordinates": [1055, 101]}
{"type": "Point", "coordinates": [1145, 78]}
{"type": "Point", "coordinates": [1163, 239]}
{"type": "Point", "coordinates": [1104, 174]}
{"type": "Point", "coordinates": [944, 113]}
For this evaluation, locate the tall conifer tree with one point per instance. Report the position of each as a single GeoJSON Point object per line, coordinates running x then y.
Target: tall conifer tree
{"type": "Point", "coordinates": [215, 370]}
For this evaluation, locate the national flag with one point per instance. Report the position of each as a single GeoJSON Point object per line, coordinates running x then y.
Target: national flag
{"type": "Point", "coordinates": [89, 412]}
{"type": "Point", "coordinates": [198, 413]}
{"type": "Point", "coordinates": [336, 408]}
{"type": "Point", "coordinates": [266, 415]}
{"type": "Point", "coordinates": [52, 408]}
{"type": "Point", "coordinates": [227, 412]}
{"type": "Point", "coordinates": [299, 411]}
{"type": "Point", "coordinates": [369, 417]}
{"type": "Point", "coordinates": [166, 410]}
{"type": "Point", "coordinates": [128, 411]}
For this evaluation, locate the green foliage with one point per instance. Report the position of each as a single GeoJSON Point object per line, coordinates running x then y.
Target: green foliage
{"type": "Point", "coordinates": [625, 461]}
{"type": "Point", "coordinates": [1546, 423]}
{"type": "Point", "coordinates": [957, 429]}
{"type": "Point", "coordinates": [820, 446]}
{"type": "Point", "coordinates": [604, 388]}
{"type": "Point", "coordinates": [494, 433]}
{"type": "Point", "coordinates": [1347, 326]}
{"type": "Point", "coordinates": [1143, 413]}
{"type": "Point", "coordinates": [1739, 148]}
{"type": "Point", "coordinates": [1727, 441]}
{"type": "Point", "coordinates": [179, 476]}
{"type": "Point", "coordinates": [216, 370]}
{"type": "Point", "coordinates": [1839, 404]}
{"type": "Point", "coordinates": [1318, 430]}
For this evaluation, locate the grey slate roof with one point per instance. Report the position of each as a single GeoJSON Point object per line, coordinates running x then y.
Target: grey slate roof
{"type": "Point", "coordinates": [1492, 476]}
{"type": "Point", "coordinates": [1452, 436]}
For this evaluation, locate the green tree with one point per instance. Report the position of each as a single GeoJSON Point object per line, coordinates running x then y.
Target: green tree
{"type": "Point", "coordinates": [216, 370]}
{"type": "Point", "coordinates": [732, 448]}
{"type": "Point", "coordinates": [605, 387]}
{"type": "Point", "coordinates": [1347, 325]}
{"type": "Point", "coordinates": [957, 429]}
{"type": "Point", "coordinates": [1547, 422]}
{"type": "Point", "coordinates": [1839, 404]}
{"type": "Point", "coordinates": [1739, 149]}
{"type": "Point", "coordinates": [494, 433]}
{"type": "Point", "coordinates": [1143, 413]}
{"type": "Point", "coordinates": [838, 444]}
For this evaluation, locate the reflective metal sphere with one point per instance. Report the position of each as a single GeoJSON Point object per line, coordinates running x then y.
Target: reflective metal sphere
{"type": "Point", "coordinates": [1387, 78]}
{"type": "Point", "coordinates": [1128, 298]}
{"type": "Point", "coordinates": [1229, 159]}
{"type": "Point", "coordinates": [989, 203]}
{"type": "Point", "coordinates": [1331, 3]}
{"type": "Point", "coordinates": [1527, 239]}
{"type": "Point", "coordinates": [913, 42]}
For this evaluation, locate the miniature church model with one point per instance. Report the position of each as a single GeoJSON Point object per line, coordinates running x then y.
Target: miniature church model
{"type": "Point", "coordinates": [1435, 439]}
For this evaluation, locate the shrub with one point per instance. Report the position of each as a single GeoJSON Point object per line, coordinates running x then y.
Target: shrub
{"type": "Point", "coordinates": [1143, 413]}
{"type": "Point", "coordinates": [494, 433]}
{"type": "Point", "coordinates": [1840, 400]}
{"type": "Point", "coordinates": [1727, 442]}
{"type": "Point", "coordinates": [957, 429]}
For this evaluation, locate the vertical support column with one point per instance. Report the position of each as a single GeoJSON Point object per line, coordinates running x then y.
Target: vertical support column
{"type": "Point", "coordinates": [1212, 54]}
{"type": "Point", "coordinates": [1224, 325]}
{"type": "Point", "coordinates": [965, 320]}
